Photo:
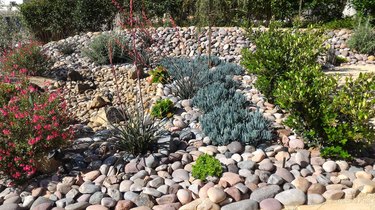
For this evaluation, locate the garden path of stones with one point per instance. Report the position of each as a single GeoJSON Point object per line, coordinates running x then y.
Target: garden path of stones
{"type": "Point", "coordinates": [271, 176]}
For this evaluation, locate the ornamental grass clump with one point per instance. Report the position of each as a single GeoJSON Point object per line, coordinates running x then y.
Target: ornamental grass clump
{"type": "Point", "coordinates": [31, 124]}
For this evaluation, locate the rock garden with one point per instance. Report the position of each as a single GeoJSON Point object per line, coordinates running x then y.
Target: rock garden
{"type": "Point", "coordinates": [153, 118]}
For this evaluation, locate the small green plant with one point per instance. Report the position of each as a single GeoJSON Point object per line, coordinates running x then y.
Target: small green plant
{"type": "Point", "coordinates": [99, 49]}
{"type": "Point", "coordinates": [206, 165]}
{"type": "Point", "coordinates": [28, 57]}
{"type": "Point", "coordinates": [159, 75]}
{"type": "Point", "coordinates": [278, 52]}
{"type": "Point", "coordinates": [162, 108]}
{"type": "Point", "coordinates": [348, 23]}
{"type": "Point", "coordinates": [66, 48]}
{"type": "Point", "coordinates": [363, 38]}
{"type": "Point", "coordinates": [339, 60]}
{"type": "Point", "coordinates": [6, 92]}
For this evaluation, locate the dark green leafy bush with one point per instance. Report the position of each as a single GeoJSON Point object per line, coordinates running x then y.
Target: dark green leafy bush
{"type": "Point", "coordinates": [56, 19]}
{"type": "Point", "coordinates": [225, 124]}
{"type": "Point", "coordinates": [365, 7]}
{"type": "Point", "coordinates": [26, 57]}
{"type": "Point", "coordinates": [213, 95]}
{"type": "Point", "coordinates": [206, 165]}
{"type": "Point", "coordinates": [66, 48]}
{"type": "Point", "coordinates": [278, 52]}
{"type": "Point", "coordinates": [334, 118]}
{"type": "Point", "coordinates": [6, 92]}
{"type": "Point", "coordinates": [159, 75]}
{"type": "Point", "coordinates": [324, 10]}
{"type": "Point", "coordinates": [162, 108]}
{"type": "Point", "coordinates": [363, 38]}
{"type": "Point", "coordinates": [99, 48]}
{"type": "Point", "coordinates": [348, 23]}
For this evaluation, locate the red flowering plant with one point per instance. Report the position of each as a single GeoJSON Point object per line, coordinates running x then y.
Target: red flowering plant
{"type": "Point", "coordinates": [26, 56]}
{"type": "Point", "coordinates": [32, 123]}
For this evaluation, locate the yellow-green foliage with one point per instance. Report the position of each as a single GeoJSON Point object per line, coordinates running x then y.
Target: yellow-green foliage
{"type": "Point", "coordinates": [206, 165]}
{"type": "Point", "coordinates": [162, 108]}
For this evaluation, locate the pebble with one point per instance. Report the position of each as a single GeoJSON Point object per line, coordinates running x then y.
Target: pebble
{"type": "Point", "coordinates": [270, 204]}
{"type": "Point", "coordinates": [216, 194]}
{"type": "Point", "coordinates": [291, 197]}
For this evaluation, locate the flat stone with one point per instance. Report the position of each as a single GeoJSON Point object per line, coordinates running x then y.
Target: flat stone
{"type": "Point", "coordinates": [124, 205]}
{"type": "Point", "coordinates": [97, 207]}
{"type": "Point", "coordinates": [270, 204]}
{"type": "Point", "coordinates": [77, 206]}
{"type": "Point", "coordinates": [293, 197]}
{"type": "Point", "coordinates": [247, 164]}
{"type": "Point", "coordinates": [333, 194]}
{"type": "Point", "coordinates": [184, 196]}
{"type": "Point", "coordinates": [108, 202]}
{"type": "Point", "coordinates": [216, 194]}
{"type": "Point", "coordinates": [231, 178]}
{"type": "Point", "coordinates": [296, 144]}
{"type": "Point", "coordinates": [235, 147]}
{"type": "Point", "coordinates": [201, 203]}
{"type": "Point", "coordinates": [266, 165]}
{"type": "Point", "coordinates": [259, 155]}
{"type": "Point", "coordinates": [96, 198]}
{"type": "Point", "coordinates": [204, 189]}
{"type": "Point", "coordinates": [40, 200]}
{"type": "Point", "coordinates": [285, 174]}
{"type": "Point", "coordinates": [88, 188]}
{"type": "Point", "coordinates": [316, 188]}
{"type": "Point", "coordinates": [313, 199]}
{"type": "Point", "coordinates": [180, 175]}
{"type": "Point", "coordinates": [10, 206]}
{"type": "Point", "coordinates": [301, 183]}
{"type": "Point", "coordinates": [329, 166]}
{"type": "Point", "coordinates": [265, 192]}
{"type": "Point", "coordinates": [43, 206]}
{"type": "Point", "coordinates": [144, 200]}
{"type": "Point", "coordinates": [247, 204]}
{"type": "Point", "coordinates": [350, 193]}
{"type": "Point", "coordinates": [166, 199]}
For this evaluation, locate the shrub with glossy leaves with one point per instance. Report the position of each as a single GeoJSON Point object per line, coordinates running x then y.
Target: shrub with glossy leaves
{"type": "Point", "coordinates": [334, 118]}
{"type": "Point", "coordinates": [206, 165]}
{"type": "Point", "coordinates": [278, 52]}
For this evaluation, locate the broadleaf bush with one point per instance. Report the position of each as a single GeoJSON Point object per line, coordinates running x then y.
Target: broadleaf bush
{"type": "Point", "coordinates": [206, 165]}
{"type": "Point", "coordinates": [278, 52]}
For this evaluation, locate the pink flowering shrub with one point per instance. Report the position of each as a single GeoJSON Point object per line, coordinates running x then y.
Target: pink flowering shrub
{"type": "Point", "coordinates": [25, 56]}
{"type": "Point", "coordinates": [32, 123]}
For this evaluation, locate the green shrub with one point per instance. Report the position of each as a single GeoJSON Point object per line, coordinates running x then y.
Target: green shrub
{"type": "Point", "coordinates": [56, 19]}
{"type": "Point", "coordinates": [348, 23]}
{"type": "Point", "coordinates": [339, 60]}
{"type": "Point", "coordinates": [10, 33]}
{"type": "Point", "coordinates": [162, 108]}
{"type": "Point", "coordinates": [6, 92]}
{"type": "Point", "coordinates": [32, 124]}
{"type": "Point", "coordinates": [99, 48]}
{"type": "Point", "coordinates": [365, 7]}
{"type": "Point", "coordinates": [66, 48]}
{"type": "Point", "coordinates": [28, 57]}
{"type": "Point", "coordinates": [225, 124]}
{"type": "Point", "coordinates": [213, 95]}
{"type": "Point", "coordinates": [279, 51]}
{"type": "Point", "coordinates": [324, 10]}
{"type": "Point", "coordinates": [363, 38]}
{"type": "Point", "coordinates": [334, 118]}
{"type": "Point", "coordinates": [159, 75]}
{"type": "Point", "coordinates": [206, 165]}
